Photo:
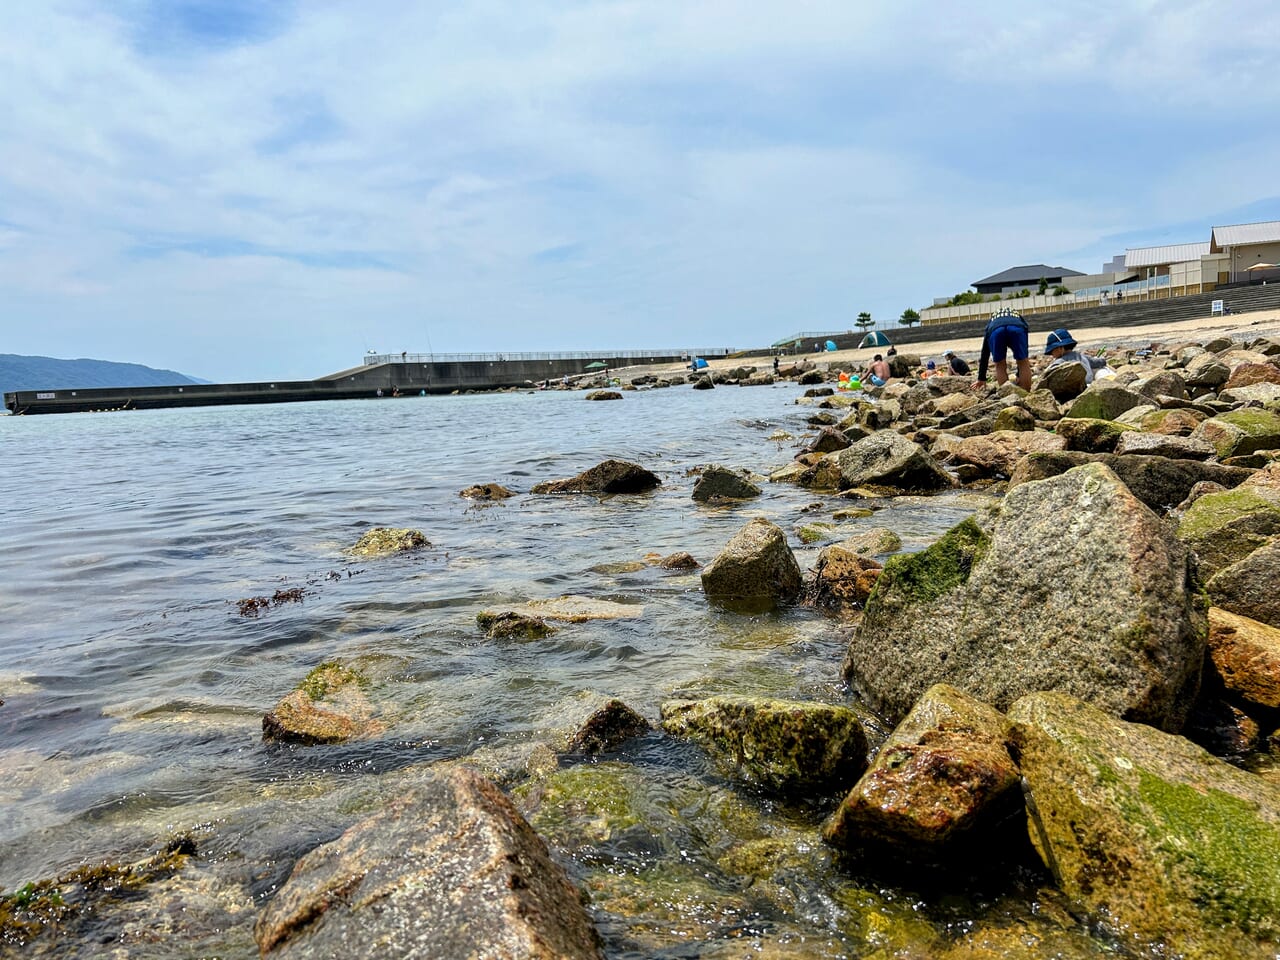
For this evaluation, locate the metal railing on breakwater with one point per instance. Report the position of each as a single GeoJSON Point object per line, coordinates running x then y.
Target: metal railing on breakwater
{"type": "Point", "coordinates": [642, 355]}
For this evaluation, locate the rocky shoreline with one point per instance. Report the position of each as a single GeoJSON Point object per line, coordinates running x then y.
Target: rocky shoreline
{"type": "Point", "coordinates": [1079, 684]}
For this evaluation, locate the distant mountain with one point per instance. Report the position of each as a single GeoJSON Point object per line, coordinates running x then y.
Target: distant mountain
{"type": "Point", "coordinates": [40, 373]}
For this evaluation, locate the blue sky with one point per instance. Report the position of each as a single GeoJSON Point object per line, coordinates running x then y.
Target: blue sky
{"type": "Point", "coordinates": [244, 190]}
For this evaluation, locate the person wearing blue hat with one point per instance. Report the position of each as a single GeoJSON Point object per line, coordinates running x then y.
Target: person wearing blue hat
{"type": "Point", "coordinates": [1062, 347]}
{"type": "Point", "coordinates": [1006, 331]}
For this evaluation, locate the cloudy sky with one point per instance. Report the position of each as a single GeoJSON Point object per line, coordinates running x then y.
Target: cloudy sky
{"type": "Point", "coordinates": [243, 189]}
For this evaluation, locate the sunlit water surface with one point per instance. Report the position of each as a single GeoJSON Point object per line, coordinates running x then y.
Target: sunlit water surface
{"type": "Point", "coordinates": [134, 690]}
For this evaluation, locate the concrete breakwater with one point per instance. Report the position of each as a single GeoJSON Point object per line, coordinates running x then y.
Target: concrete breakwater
{"type": "Point", "coordinates": [381, 376]}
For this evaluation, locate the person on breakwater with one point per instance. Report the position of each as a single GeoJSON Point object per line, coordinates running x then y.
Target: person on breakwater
{"type": "Point", "coordinates": [1005, 332]}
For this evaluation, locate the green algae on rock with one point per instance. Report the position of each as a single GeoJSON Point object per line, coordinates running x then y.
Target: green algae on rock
{"type": "Point", "coordinates": [382, 541]}
{"type": "Point", "coordinates": [510, 625]}
{"type": "Point", "coordinates": [784, 745]}
{"type": "Point", "coordinates": [1224, 528]}
{"type": "Point", "coordinates": [1240, 432]}
{"type": "Point", "coordinates": [329, 705]}
{"type": "Point", "coordinates": [1168, 847]}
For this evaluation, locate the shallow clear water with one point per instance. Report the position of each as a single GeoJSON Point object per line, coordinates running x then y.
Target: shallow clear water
{"type": "Point", "coordinates": [134, 690]}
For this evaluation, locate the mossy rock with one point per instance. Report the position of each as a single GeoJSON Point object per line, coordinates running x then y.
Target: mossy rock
{"type": "Point", "coordinates": [329, 676]}
{"type": "Point", "coordinates": [1224, 528]}
{"type": "Point", "coordinates": [925, 576]}
{"type": "Point", "coordinates": [381, 541]}
{"type": "Point", "coordinates": [509, 625]}
{"type": "Point", "coordinates": [786, 746]}
{"type": "Point", "coordinates": [1241, 432]}
{"type": "Point", "coordinates": [815, 532]}
{"type": "Point", "coordinates": [329, 705]}
{"type": "Point", "coordinates": [1161, 842]}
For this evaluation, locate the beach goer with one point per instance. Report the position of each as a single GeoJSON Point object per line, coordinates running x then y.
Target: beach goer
{"type": "Point", "coordinates": [1062, 347]}
{"type": "Point", "coordinates": [892, 352]}
{"type": "Point", "coordinates": [958, 366]}
{"type": "Point", "coordinates": [930, 370]}
{"type": "Point", "coordinates": [879, 371]}
{"type": "Point", "coordinates": [775, 364]}
{"type": "Point", "coordinates": [1006, 331]}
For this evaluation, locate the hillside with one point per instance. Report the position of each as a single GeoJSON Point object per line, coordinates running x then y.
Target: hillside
{"type": "Point", "coordinates": [40, 373]}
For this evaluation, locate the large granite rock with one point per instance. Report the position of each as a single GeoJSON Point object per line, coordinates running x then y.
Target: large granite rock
{"type": "Point", "coordinates": [755, 571]}
{"type": "Point", "coordinates": [1248, 374]}
{"type": "Point", "coordinates": [1073, 585]}
{"type": "Point", "coordinates": [1206, 372]}
{"type": "Point", "coordinates": [1251, 586]}
{"type": "Point", "coordinates": [1065, 381]}
{"type": "Point", "coordinates": [1175, 421]}
{"type": "Point", "coordinates": [996, 454]}
{"type": "Point", "coordinates": [1223, 528]}
{"type": "Point", "coordinates": [1158, 482]}
{"type": "Point", "coordinates": [448, 869]}
{"type": "Point", "coordinates": [720, 483]}
{"type": "Point", "coordinates": [1163, 383]}
{"type": "Point", "coordinates": [828, 440]}
{"type": "Point", "coordinates": [1163, 445]}
{"type": "Point", "coordinates": [887, 459]}
{"type": "Point", "coordinates": [944, 771]}
{"type": "Point", "coordinates": [611, 476]}
{"type": "Point", "coordinates": [1241, 432]}
{"type": "Point", "coordinates": [787, 746]}
{"type": "Point", "coordinates": [1246, 655]}
{"type": "Point", "coordinates": [1175, 852]}
{"type": "Point", "coordinates": [1089, 435]}
{"type": "Point", "coordinates": [1104, 400]}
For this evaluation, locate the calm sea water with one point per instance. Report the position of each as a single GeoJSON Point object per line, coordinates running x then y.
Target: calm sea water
{"type": "Point", "coordinates": [134, 690]}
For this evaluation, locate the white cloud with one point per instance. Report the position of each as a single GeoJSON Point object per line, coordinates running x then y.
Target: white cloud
{"type": "Point", "coordinates": [717, 171]}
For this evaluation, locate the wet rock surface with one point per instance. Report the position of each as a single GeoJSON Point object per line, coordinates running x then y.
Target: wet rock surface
{"type": "Point", "coordinates": [720, 483]}
{"type": "Point", "coordinates": [449, 869]}
{"type": "Point", "coordinates": [1169, 848]}
{"type": "Point", "coordinates": [611, 476]}
{"type": "Point", "coordinates": [943, 773]}
{"type": "Point", "coordinates": [329, 706]}
{"type": "Point", "coordinates": [382, 541]}
{"type": "Point", "coordinates": [756, 570]}
{"type": "Point", "coordinates": [888, 459]}
{"type": "Point", "coordinates": [1102, 608]}
{"type": "Point", "coordinates": [786, 746]}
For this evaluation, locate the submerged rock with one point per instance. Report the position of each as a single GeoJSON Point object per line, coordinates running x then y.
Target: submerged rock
{"type": "Point", "coordinates": [510, 625]}
{"type": "Point", "coordinates": [720, 483]}
{"type": "Point", "coordinates": [593, 723]}
{"type": "Point", "coordinates": [610, 476]}
{"type": "Point", "coordinates": [784, 745]}
{"type": "Point", "coordinates": [381, 541]}
{"type": "Point", "coordinates": [942, 773]}
{"type": "Point", "coordinates": [329, 706]}
{"type": "Point", "coordinates": [487, 491]}
{"type": "Point", "coordinates": [755, 571]}
{"type": "Point", "coordinates": [679, 561]}
{"type": "Point", "coordinates": [1175, 852]}
{"type": "Point", "coordinates": [603, 395]}
{"type": "Point", "coordinates": [1075, 585]}
{"type": "Point", "coordinates": [574, 609]}
{"type": "Point", "coordinates": [841, 578]}
{"type": "Point", "coordinates": [448, 869]}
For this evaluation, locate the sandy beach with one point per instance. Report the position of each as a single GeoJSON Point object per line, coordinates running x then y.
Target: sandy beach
{"type": "Point", "coordinates": [1260, 323]}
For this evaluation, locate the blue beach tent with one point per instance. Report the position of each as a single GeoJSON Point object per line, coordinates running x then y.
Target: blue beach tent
{"type": "Point", "coordinates": [831, 346]}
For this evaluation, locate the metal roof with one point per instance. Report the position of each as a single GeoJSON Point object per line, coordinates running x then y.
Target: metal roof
{"type": "Point", "coordinates": [1158, 256]}
{"type": "Point", "coordinates": [1238, 233]}
{"type": "Point", "coordinates": [1031, 273]}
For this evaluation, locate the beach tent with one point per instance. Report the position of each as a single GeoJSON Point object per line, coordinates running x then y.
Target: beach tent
{"type": "Point", "coordinates": [875, 338]}
{"type": "Point", "coordinates": [831, 346]}
{"type": "Point", "coordinates": [596, 365]}
{"type": "Point", "coordinates": [698, 363]}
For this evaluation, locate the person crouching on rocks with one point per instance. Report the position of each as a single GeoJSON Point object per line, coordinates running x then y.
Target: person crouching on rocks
{"type": "Point", "coordinates": [958, 366]}
{"type": "Point", "coordinates": [1062, 347]}
{"type": "Point", "coordinates": [1006, 331]}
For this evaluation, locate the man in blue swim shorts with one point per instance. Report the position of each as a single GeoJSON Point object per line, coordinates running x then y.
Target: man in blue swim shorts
{"type": "Point", "coordinates": [1005, 332]}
